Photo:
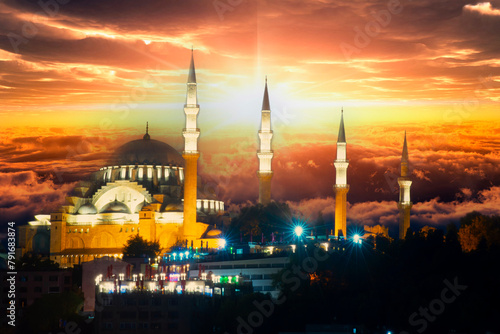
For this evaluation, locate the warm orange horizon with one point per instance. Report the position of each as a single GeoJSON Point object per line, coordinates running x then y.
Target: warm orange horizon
{"type": "Point", "coordinates": [77, 80]}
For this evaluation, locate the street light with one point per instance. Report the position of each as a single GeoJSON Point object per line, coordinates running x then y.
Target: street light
{"type": "Point", "coordinates": [298, 230]}
{"type": "Point", "coordinates": [222, 243]}
{"type": "Point", "coordinates": [356, 239]}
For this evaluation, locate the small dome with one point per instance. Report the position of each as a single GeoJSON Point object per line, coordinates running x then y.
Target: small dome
{"type": "Point", "coordinates": [214, 233]}
{"type": "Point", "coordinates": [173, 206]}
{"type": "Point", "coordinates": [115, 207]}
{"type": "Point", "coordinates": [87, 209]}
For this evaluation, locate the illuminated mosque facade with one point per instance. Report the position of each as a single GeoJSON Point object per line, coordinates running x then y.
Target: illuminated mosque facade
{"type": "Point", "coordinates": [150, 189]}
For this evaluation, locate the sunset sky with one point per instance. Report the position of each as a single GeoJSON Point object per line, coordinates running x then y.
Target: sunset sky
{"type": "Point", "coordinates": [79, 78]}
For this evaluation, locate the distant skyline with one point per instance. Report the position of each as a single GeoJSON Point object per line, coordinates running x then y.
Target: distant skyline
{"type": "Point", "coordinates": [80, 78]}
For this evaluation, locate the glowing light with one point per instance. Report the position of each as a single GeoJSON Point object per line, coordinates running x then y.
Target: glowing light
{"type": "Point", "coordinates": [298, 231]}
{"type": "Point", "coordinates": [222, 243]}
{"type": "Point", "coordinates": [147, 42]}
{"type": "Point", "coordinates": [356, 239]}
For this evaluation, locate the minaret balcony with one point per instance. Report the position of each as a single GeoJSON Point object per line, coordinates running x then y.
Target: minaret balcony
{"type": "Point", "coordinates": [342, 164]}
{"type": "Point", "coordinates": [190, 130]}
{"type": "Point", "coordinates": [191, 107]}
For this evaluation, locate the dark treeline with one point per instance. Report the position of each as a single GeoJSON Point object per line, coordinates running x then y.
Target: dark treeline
{"type": "Point", "coordinates": [426, 283]}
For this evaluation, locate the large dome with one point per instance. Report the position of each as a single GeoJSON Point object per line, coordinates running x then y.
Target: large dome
{"type": "Point", "coordinates": [147, 151]}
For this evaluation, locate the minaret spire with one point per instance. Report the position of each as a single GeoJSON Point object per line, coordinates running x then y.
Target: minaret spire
{"type": "Point", "coordinates": [404, 204]}
{"type": "Point", "coordinates": [265, 100]}
{"type": "Point", "coordinates": [191, 155]}
{"type": "Point", "coordinates": [341, 138]}
{"type": "Point", "coordinates": [341, 187]}
{"type": "Point", "coordinates": [147, 136]}
{"type": "Point", "coordinates": [265, 153]}
{"type": "Point", "coordinates": [192, 72]}
{"type": "Point", "coordinates": [404, 158]}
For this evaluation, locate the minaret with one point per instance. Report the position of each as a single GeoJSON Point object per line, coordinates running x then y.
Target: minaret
{"type": "Point", "coordinates": [265, 154]}
{"type": "Point", "coordinates": [404, 204]}
{"type": "Point", "coordinates": [190, 155]}
{"type": "Point", "coordinates": [341, 187]}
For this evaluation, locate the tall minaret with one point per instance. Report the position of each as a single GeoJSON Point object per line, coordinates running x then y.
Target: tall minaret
{"type": "Point", "coordinates": [265, 153]}
{"type": "Point", "coordinates": [190, 155]}
{"type": "Point", "coordinates": [341, 187]}
{"type": "Point", "coordinates": [404, 204]}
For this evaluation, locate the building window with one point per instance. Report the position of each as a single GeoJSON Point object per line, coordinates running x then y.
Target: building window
{"type": "Point", "coordinates": [38, 289]}
{"type": "Point", "coordinates": [130, 301]}
{"type": "Point", "coordinates": [128, 315]}
{"type": "Point", "coordinates": [107, 326]}
{"type": "Point", "coordinates": [107, 315]}
{"type": "Point", "coordinates": [256, 277]}
{"type": "Point", "coordinates": [67, 280]}
{"type": "Point", "coordinates": [23, 289]}
{"type": "Point", "coordinates": [155, 315]}
{"type": "Point", "coordinates": [38, 278]}
{"type": "Point", "coordinates": [172, 325]}
{"type": "Point", "coordinates": [54, 289]}
{"type": "Point", "coordinates": [53, 278]}
{"type": "Point", "coordinates": [173, 315]}
{"type": "Point", "coordinates": [23, 278]}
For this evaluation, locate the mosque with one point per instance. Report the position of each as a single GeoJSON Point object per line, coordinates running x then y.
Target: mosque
{"type": "Point", "coordinates": [147, 188]}
{"type": "Point", "coordinates": [150, 189]}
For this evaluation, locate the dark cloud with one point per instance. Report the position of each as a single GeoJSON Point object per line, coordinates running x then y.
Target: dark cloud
{"type": "Point", "coordinates": [25, 194]}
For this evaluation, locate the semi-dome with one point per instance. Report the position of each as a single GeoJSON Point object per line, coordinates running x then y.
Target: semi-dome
{"type": "Point", "coordinates": [115, 207]}
{"type": "Point", "coordinates": [214, 233]}
{"type": "Point", "coordinates": [147, 151]}
{"type": "Point", "coordinates": [87, 209]}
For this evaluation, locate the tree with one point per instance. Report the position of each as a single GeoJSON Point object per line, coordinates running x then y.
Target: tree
{"type": "Point", "coordinates": [479, 230]}
{"type": "Point", "coordinates": [51, 311]}
{"type": "Point", "coordinates": [136, 246]}
{"type": "Point", "coordinates": [33, 261]}
{"type": "Point", "coordinates": [257, 219]}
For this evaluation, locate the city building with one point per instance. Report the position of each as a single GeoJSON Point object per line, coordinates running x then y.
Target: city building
{"type": "Point", "coordinates": [259, 271]}
{"type": "Point", "coordinates": [31, 284]}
